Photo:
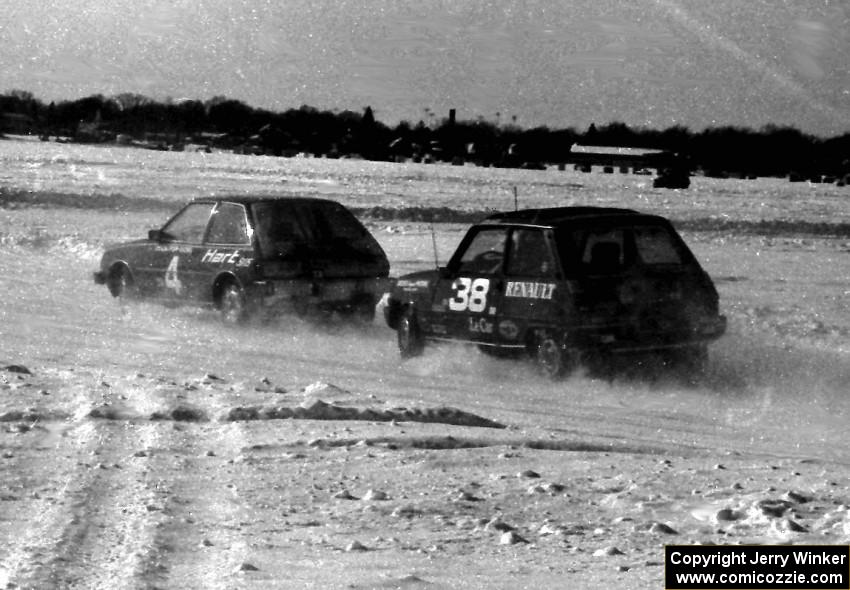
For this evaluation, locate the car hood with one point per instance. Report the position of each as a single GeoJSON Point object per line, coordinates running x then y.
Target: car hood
{"type": "Point", "coordinates": [416, 281]}
{"type": "Point", "coordinates": [120, 251]}
{"type": "Point", "coordinates": [122, 245]}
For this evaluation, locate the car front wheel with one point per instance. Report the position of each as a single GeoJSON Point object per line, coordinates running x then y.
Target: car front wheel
{"type": "Point", "coordinates": [410, 340]}
{"type": "Point", "coordinates": [121, 283]}
{"type": "Point", "coordinates": [232, 304]}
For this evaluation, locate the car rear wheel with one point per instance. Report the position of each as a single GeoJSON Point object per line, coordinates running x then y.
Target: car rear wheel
{"type": "Point", "coordinates": [232, 304]}
{"type": "Point", "coordinates": [410, 340]}
{"type": "Point", "coordinates": [553, 359]}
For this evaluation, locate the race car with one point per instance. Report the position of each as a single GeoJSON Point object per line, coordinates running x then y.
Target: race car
{"type": "Point", "coordinates": [243, 254]}
{"type": "Point", "coordinates": [567, 286]}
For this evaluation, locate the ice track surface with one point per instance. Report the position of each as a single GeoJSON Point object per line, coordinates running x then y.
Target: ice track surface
{"type": "Point", "coordinates": [146, 446]}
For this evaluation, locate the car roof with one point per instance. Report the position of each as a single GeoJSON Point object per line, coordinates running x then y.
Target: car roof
{"type": "Point", "coordinates": [250, 199]}
{"type": "Point", "coordinates": [554, 216]}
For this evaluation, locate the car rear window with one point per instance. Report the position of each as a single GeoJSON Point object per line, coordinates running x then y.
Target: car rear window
{"type": "Point", "coordinates": [655, 245]}
{"type": "Point", "coordinates": [613, 249]}
{"type": "Point", "coordinates": [282, 225]}
{"type": "Point", "coordinates": [337, 222]}
{"type": "Point", "coordinates": [336, 227]}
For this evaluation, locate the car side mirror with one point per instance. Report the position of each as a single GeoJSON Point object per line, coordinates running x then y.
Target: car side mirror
{"type": "Point", "coordinates": [155, 235]}
{"type": "Point", "coordinates": [444, 272]}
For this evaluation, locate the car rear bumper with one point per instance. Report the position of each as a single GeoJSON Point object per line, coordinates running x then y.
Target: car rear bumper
{"type": "Point", "coordinates": [329, 292]}
{"type": "Point", "coordinates": [617, 340]}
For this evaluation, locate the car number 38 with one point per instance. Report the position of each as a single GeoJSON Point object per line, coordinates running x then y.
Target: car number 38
{"type": "Point", "coordinates": [470, 294]}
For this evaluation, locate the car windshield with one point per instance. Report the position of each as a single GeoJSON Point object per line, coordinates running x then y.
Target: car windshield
{"type": "Point", "coordinates": [484, 252]}
{"type": "Point", "coordinates": [189, 224]}
{"type": "Point", "coordinates": [615, 248]}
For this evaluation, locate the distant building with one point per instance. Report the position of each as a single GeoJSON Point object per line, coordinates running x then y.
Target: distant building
{"type": "Point", "coordinates": [619, 157]}
{"type": "Point", "coordinates": [16, 123]}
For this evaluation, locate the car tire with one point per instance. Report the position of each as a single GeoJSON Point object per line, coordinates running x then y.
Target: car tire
{"type": "Point", "coordinates": [553, 359]}
{"type": "Point", "coordinates": [232, 305]}
{"type": "Point", "coordinates": [410, 340]}
{"type": "Point", "coordinates": [121, 284]}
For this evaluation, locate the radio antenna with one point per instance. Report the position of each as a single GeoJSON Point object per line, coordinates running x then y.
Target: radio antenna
{"type": "Point", "coordinates": [434, 244]}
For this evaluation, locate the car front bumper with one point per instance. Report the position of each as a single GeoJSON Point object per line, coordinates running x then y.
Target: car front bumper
{"type": "Point", "coordinates": [99, 277]}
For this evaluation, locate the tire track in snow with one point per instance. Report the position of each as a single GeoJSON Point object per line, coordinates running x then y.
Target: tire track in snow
{"type": "Point", "coordinates": [49, 517]}
{"type": "Point", "coordinates": [117, 552]}
{"type": "Point", "coordinates": [212, 507]}
{"type": "Point", "coordinates": [97, 531]}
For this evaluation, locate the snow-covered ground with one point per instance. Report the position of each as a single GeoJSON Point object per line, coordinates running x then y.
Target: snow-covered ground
{"type": "Point", "coordinates": [153, 447]}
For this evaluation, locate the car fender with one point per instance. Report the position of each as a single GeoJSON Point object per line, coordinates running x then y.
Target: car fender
{"type": "Point", "coordinates": [394, 309]}
{"type": "Point", "coordinates": [110, 272]}
{"type": "Point", "coordinates": [220, 280]}
{"type": "Point", "coordinates": [114, 266]}
{"type": "Point", "coordinates": [409, 291]}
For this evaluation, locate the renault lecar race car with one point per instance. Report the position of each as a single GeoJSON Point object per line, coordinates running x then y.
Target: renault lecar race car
{"type": "Point", "coordinates": [564, 285]}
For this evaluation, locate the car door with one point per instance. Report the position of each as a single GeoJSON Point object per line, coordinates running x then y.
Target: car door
{"type": "Point", "coordinates": [174, 252]}
{"type": "Point", "coordinates": [467, 293]}
{"type": "Point", "coordinates": [227, 248]}
{"type": "Point", "coordinates": [532, 281]}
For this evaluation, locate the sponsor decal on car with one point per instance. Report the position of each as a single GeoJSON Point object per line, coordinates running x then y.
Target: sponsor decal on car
{"type": "Point", "coordinates": [410, 285]}
{"type": "Point", "coordinates": [529, 290]}
{"type": "Point", "coordinates": [480, 326]}
{"type": "Point", "coordinates": [508, 329]}
{"type": "Point", "coordinates": [182, 248]}
{"type": "Point", "coordinates": [214, 256]}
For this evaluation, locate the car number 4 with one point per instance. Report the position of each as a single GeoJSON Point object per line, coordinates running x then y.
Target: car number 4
{"type": "Point", "coordinates": [469, 294]}
{"type": "Point", "coordinates": [172, 281]}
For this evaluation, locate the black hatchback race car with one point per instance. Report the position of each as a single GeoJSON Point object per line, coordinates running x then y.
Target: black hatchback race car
{"type": "Point", "coordinates": [245, 253]}
{"type": "Point", "coordinates": [566, 285]}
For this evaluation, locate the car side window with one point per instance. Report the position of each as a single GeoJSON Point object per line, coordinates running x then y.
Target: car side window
{"type": "Point", "coordinates": [604, 251]}
{"type": "Point", "coordinates": [484, 253]}
{"type": "Point", "coordinates": [229, 225]}
{"type": "Point", "coordinates": [190, 224]}
{"type": "Point", "coordinates": [529, 255]}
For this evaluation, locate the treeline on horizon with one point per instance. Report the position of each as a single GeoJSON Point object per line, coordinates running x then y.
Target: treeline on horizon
{"type": "Point", "coordinates": [225, 123]}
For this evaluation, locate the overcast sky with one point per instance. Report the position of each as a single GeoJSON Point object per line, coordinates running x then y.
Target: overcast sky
{"type": "Point", "coordinates": [559, 63]}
